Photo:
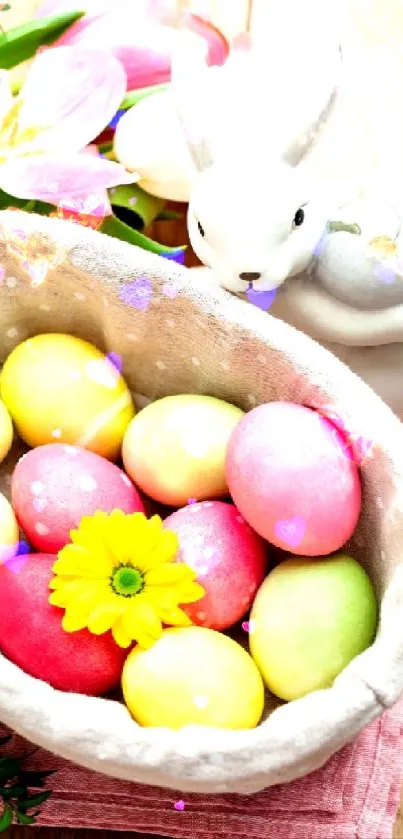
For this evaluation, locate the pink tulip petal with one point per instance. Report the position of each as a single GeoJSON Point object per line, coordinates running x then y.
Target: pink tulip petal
{"type": "Point", "coordinates": [72, 93]}
{"type": "Point", "coordinates": [139, 36]}
{"type": "Point", "coordinates": [218, 46]}
{"type": "Point", "coordinates": [95, 206]}
{"type": "Point", "coordinates": [51, 177]}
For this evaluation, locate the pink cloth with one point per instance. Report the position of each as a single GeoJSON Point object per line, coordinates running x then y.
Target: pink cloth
{"type": "Point", "coordinates": [355, 796]}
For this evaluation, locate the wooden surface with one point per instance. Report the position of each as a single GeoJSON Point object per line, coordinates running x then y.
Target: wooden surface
{"type": "Point", "coordinates": [398, 832]}
{"type": "Point", "coordinates": [57, 833]}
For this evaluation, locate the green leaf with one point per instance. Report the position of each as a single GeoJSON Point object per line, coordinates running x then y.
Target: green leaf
{"type": "Point", "coordinates": [22, 818]}
{"type": "Point", "coordinates": [21, 43]}
{"type": "Point", "coordinates": [34, 778]}
{"type": "Point", "coordinates": [6, 818]}
{"type": "Point", "coordinates": [7, 201]}
{"type": "Point", "coordinates": [118, 230]}
{"type": "Point", "coordinates": [133, 198]}
{"type": "Point", "coordinates": [34, 800]}
{"type": "Point", "coordinates": [135, 96]}
{"type": "Point", "coordinates": [13, 791]}
{"type": "Point", "coordinates": [9, 768]}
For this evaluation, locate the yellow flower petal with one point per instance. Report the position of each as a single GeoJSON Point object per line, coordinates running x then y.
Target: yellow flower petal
{"type": "Point", "coordinates": [140, 620]}
{"type": "Point", "coordinates": [174, 617]}
{"type": "Point", "coordinates": [73, 561]}
{"type": "Point", "coordinates": [143, 537]}
{"type": "Point", "coordinates": [105, 614]}
{"type": "Point", "coordinates": [190, 593]}
{"type": "Point", "coordinates": [80, 594]}
{"type": "Point", "coordinates": [165, 551]}
{"type": "Point", "coordinates": [164, 597]}
{"type": "Point", "coordinates": [169, 574]}
{"type": "Point", "coordinates": [74, 621]}
{"type": "Point", "coordinates": [120, 635]}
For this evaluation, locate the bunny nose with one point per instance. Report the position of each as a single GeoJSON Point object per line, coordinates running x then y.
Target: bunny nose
{"type": "Point", "coordinates": [250, 276]}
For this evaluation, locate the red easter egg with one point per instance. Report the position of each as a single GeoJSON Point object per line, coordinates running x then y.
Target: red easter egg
{"type": "Point", "coordinates": [55, 485]}
{"type": "Point", "coordinates": [229, 557]}
{"type": "Point", "coordinates": [32, 637]}
{"type": "Point", "coordinates": [289, 475]}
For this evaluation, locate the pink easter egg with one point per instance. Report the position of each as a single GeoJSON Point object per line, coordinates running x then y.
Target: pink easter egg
{"type": "Point", "coordinates": [229, 557]}
{"type": "Point", "coordinates": [55, 485]}
{"type": "Point", "coordinates": [289, 475]}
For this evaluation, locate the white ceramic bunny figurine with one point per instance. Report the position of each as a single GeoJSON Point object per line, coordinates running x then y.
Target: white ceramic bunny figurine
{"type": "Point", "coordinates": [253, 216]}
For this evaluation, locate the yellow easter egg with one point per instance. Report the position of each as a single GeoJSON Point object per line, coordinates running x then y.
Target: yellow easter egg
{"type": "Point", "coordinates": [59, 388]}
{"type": "Point", "coordinates": [193, 676]}
{"type": "Point", "coordinates": [9, 533]}
{"type": "Point", "coordinates": [174, 449]}
{"type": "Point", "coordinates": [6, 431]}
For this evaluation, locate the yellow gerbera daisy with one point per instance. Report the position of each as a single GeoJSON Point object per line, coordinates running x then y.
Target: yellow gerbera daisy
{"type": "Point", "coordinates": [118, 574]}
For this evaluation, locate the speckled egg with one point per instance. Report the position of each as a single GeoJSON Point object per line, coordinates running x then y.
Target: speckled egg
{"type": "Point", "coordinates": [59, 388]}
{"type": "Point", "coordinates": [229, 557]}
{"type": "Point", "coordinates": [9, 533]}
{"type": "Point", "coordinates": [290, 477]}
{"type": "Point", "coordinates": [31, 634]}
{"type": "Point", "coordinates": [193, 676]}
{"type": "Point", "coordinates": [6, 431]}
{"type": "Point", "coordinates": [54, 486]}
{"type": "Point", "coordinates": [174, 449]}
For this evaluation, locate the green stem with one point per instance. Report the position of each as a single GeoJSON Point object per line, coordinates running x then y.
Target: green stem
{"type": "Point", "coordinates": [135, 96]}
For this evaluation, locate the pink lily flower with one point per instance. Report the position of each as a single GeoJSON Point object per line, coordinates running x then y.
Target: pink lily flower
{"type": "Point", "coordinates": [88, 210]}
{"type": "Point", "coordinates": [136, 33]}
{"type": "Point", "coordinates": [69, 95]}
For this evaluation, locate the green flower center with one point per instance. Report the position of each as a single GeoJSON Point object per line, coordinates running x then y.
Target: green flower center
{"type": "Point", "coordinates": [127, 581]}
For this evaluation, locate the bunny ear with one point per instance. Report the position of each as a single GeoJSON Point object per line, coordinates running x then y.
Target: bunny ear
{"type": "Point", "coordinates": [318, 100]}
{"type": "Point", "coordinates": [190, 89]}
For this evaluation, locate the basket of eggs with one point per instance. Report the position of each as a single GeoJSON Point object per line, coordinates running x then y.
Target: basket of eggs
{"type": "Point", "coordinates": [201, 530]}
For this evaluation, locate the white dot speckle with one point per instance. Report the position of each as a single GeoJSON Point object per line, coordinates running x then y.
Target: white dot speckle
{"type": "Point", "coordinates": [131, 337]}
{"type": "Point", "coordinates": [12, 333]}
{"type": "Point", "coordinates": [194, 447]}
{"type": "Point", "coordinates": [126, 480]}
{"type": "Point", "coordinates": [252, 626]}
{"type": "Point", "coordinates": [44, 307]}
{"type": "Point", "coordinates": [160, 365]}
{"type": "Point", "coordinates": [202, 570]}
{"type": "Point", "coordinates": [37, 487]}
{"type": "Point", "coordinates": [208, 553]}
{"type": "Point", "coordinates": [251, 399]}
{"type": "Point", "coordinates": [383, 556]}
{"type": "Point", "coordinates": [11, 282]}
{"type": "Point", "coordinates": [170, 323]}
{"type": "Point", "coordinates": [261, 359]}
{"type": "Point", "coordinates": [57, 433]}
{"type": "Point", "coordinates": [80, 296]}
{"type": "Point", "coordinates": [379, 503]}
{"type": "Point", "coordinates": [195, 361]}
{"type": "Point", "coordinates": [71, 450]}
{"type": "Point", "coordinates": [224, 365]}
{"type": "Point", "coordinates": [201, 616]}
{"type": "Point", "coordinates": [201, 701]}
{"type": "Point", "coordinates": [41, 529]}
{"type": "Point", "coordinates": [87, 483]}
{"type": "Point", "coordinates": [208, 504]}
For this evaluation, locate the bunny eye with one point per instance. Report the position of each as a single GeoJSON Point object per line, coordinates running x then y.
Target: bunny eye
{"type": "Point", "coordinates": [200, 229]}
{"type": "Point", "coordinates": [298, 218]}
